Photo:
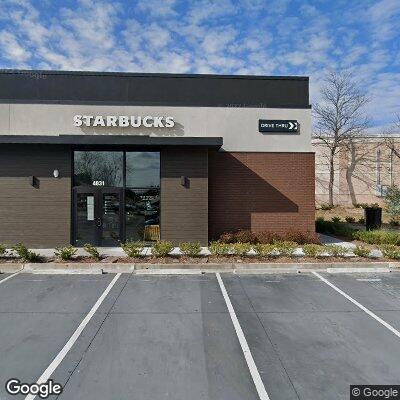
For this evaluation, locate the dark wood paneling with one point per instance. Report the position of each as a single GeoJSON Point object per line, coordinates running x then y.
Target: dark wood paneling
{"type": "Point", "coordinates": [184, 210]}
{"type": "Point", "coordinates": [36, 216]}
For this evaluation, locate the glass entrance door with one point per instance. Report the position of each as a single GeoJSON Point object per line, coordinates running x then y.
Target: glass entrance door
{"type": "Point", "coordinates": [97, 216]}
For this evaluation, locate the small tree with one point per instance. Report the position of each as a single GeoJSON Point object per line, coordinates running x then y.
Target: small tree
{"type": "Point", "coordinates": [339, 117]}
{"type": "Point", "coordinates": [392, 201]}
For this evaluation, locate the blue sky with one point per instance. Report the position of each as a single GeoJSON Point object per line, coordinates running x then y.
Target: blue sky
{"type": "Point", "coordinates": [264, 37]}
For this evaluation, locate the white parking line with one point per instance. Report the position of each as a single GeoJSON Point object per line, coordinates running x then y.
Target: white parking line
{"type": "Point", "coordinates": [262, 393]}
{"type": "Point", "coordinates": [64, 351]}
{"type": "Point", "coordinates": [9, 277]}
{"type": "Point", "coordinates": [355, 302]}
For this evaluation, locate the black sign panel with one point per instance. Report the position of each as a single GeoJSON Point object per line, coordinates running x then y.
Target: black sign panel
{"type": "Point", "coordinates": [278, 125]}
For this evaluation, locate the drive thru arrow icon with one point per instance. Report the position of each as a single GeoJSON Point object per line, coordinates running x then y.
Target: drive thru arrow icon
{"type": "Point", "coordinates": [292, 125]}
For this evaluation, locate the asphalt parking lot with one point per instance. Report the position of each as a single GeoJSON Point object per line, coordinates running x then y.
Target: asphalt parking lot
{"type": "Point", "coordinates": [153, 337]}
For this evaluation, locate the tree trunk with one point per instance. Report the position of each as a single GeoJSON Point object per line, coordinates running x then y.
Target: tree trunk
{"type": "Point", "coordinates": [349, 174]}
{"type": "Point", "coordinates": [331, 176]}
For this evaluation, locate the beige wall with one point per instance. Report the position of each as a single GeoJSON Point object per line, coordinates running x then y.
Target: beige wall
{"type": "Point", "coordinates": [361, 166]}
{"type": "Point", "coordinates": [237, 126]}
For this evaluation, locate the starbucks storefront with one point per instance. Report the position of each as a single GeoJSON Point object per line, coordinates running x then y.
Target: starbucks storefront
{"type": "Point", "coordinates": [102, 158]}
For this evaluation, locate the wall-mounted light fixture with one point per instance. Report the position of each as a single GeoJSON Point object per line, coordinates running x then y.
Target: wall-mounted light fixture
{"type": "Point", "coordinates": [56, 173]}
{"type": "Point", "coordinates": [185, 181]}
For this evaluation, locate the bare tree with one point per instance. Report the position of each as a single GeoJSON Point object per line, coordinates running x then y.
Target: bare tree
{"type": "Point", "coordinates": [339, 117]}
{"type": "Point", "coordinates": [390, 141]}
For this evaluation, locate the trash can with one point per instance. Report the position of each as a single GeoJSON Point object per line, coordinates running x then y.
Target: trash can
{"type": "Point", "coordinates": [373, 218]}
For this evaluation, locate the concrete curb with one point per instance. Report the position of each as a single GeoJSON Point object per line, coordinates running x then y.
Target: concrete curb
{"type": "Point", "coordinates": [237, 268]}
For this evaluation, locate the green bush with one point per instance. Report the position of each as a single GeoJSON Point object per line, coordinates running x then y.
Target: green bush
{"type": "Point", "coordinates": [392, 201]}
{"type": "Point", "coordinates": [286, 248]}
{"type": "Point", "coordinates": [220, 249]}
{"type": "Point", "coordinates": [190, 249]}
{"type": "Point", "coordinates": [334, 228]}
{"type": "Point", "coordinates": [24, 254]}
{"type": "Point", "coordinates": [335, 219]}
{"type": "Point", "coordinates": [361, 251]}
{"type": "Point", "coordinates": [90, 249]}
{"type": "Point", "coordinates": [350, 220]}
{"type": "Point", "coordinates": [394, 222]}
{"type": "Point", "coordinates": [265, 249]}
{"type": "Point", "coordinates": [313, 250]}
{"type": "Point", "coordinates": [65, 253]}
{"type": "Point", "coordinates": [378, 237]}
{"type": "Point", "coordinates": [3, 250]}
{"type": "Point", "coordinates": [241, 249]}
{"type": "Point", "coordinates": [390, 251]}
{"type": "Point", "coordinates": [162, 248]}
{"type": "Point", "coordinates": [132, 248]}
{"type": "Point", "coordinates": [335, 250]}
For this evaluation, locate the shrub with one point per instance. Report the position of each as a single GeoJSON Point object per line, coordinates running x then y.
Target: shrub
{"type": "Point", "coordinates": [227, 238]}
{"type": "Point", "coordinates": [301, 237]}
{"type": "Point", "coordinates": [265, 249]}
{"type": "Point", "coordinates": [335, 219]}
{"type": "Point", "coordinates": [361, 220]}
{"type": "Point", "coordinates": [334, 228]}
{"type": "Point", "coordinates": [220, 249]}
{"type": "Point", "coordinates": [350, 220]}
{"type": "Point", "coordinates": [162, 248]}
{"type": "Point", "coordinates": [24, 254]}
{"type": "Point", "coordinates": [361, 251]}
{"type": "Point", "coordinates": [244, 236]}
{"type": "Point", "coordinates": [361, 205]}
{"type": "Point", "coordinates": [336, 250]}
{"type": "Point", "coordinates": [65, 253]}
{"type": "Point", "coordinates": [378, 237]}
{"type": "Point", "coordinates": [132, 248]}
{"type": "Point", "coordinates": [326, 207]}
{"type": "Point", "coordinates": [241, 249]}
{"type": "Point", "coordinates": [190, 249]}
{"type": "Point", "coordinates": [90, 249]}
{"type": "Point", "coordinates": [313, 250]}
{"type": "Point", "coordinates": [392, 201]}
{"type": "Point", "coordinates": [286, 248]}
{"type": "Point", "coordinates": [3, 250]}
{"type": "Point", "coordinates": [394, 222]}
{"type": "Point", "coordinates": [267, 237]}
{"type": "Point", "coordinates": [390, 251]}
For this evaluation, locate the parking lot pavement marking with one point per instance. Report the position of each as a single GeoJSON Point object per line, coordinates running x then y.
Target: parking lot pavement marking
{"type": "Point", "coordinates": [67, 347]}
{"type": "Point", "coordinates": [9, 277]}
{"type": "Point", "coordinates": [369, 280]}
{"type": "Point", "coordinates": [359, 305]}
{"type": "Point", "coordinates": [262, 393]}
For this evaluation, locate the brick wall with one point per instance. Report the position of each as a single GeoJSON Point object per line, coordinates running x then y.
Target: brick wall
{"type": "Point", "coordinates": [261, 192]}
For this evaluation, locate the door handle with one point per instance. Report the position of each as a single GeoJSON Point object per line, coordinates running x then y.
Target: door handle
{"type": "Point", "coordinates": [98, 222]}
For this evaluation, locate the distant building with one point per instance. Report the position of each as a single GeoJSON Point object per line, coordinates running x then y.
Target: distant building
{"type": "Point", "coordinates": [363, 170]}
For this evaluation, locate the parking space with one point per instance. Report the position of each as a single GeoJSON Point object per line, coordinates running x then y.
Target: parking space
{"type": "Point", "coordinates": [172, 336]}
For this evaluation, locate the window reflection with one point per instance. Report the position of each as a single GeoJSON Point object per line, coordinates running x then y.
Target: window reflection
{"type": "Point", "coordinates": [101, 166]}
{"type": "Point", "coordinates": [142, 196]}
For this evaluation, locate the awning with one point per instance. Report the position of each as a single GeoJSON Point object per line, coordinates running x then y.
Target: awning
{"type": "Point", "coordinates": [113, 140]}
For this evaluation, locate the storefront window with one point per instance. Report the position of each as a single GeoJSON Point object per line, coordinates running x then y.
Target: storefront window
{"type": "Point", "coordinates": [142, 196]}
{"type": "Point", "coordinates": [98, 168]}
{"type": "Point", "coordinates": [100, 176]}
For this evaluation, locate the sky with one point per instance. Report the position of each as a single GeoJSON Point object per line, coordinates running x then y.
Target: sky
{"type": "Point", "coordinates": [257, 37]}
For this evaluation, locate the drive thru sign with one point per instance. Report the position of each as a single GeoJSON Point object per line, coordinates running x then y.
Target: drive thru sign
{"type": "Point", "coordinates": [273, 125]}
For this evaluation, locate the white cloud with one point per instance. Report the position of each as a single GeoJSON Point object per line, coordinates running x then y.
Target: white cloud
{"type": "Point", "coordinates": [11, 48]}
